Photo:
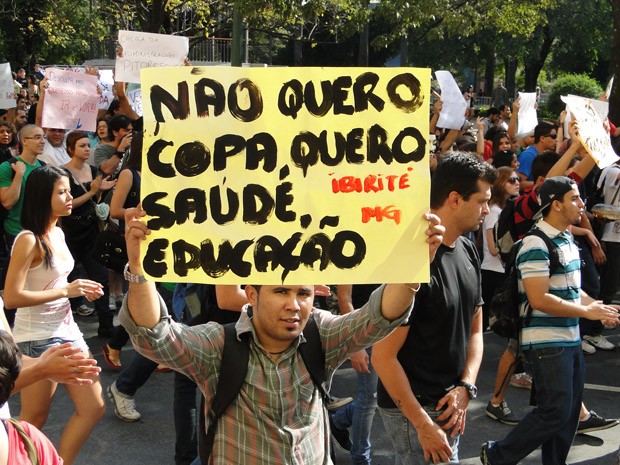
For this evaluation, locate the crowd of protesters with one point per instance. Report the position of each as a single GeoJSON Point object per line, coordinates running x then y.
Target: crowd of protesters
{"type": "Point", "coordinates": [77, 174]}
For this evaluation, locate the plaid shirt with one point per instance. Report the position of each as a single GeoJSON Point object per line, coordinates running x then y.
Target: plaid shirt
{"type": "Point", "coordinates": [278, 416]}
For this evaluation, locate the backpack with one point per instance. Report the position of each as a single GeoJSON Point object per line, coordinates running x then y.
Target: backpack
{"type": "Point", "coordinates": [504, 316]}
{"type": "Point", "coordinates": [235, 358]}
{"type": "Point", "coordinates": [505, 232]}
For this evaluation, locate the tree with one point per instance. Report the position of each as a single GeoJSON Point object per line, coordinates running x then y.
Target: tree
{"type": "Point", "coordinates": [614, 100]}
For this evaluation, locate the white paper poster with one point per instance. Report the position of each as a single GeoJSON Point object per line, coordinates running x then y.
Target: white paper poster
{"type": "Point", "coordinates": [591, 130]}
{"type": "Point", "coordinates": [147, 50]}
{"type": "Point", "coordinates": [528, 120]}
{"type": "Point", "coordinates": [106, 84]}
{"type": "Point", "coordinates": [7, 91]}
{"type": "Point", "coordinates": [134, 94]}
{"type": "Point", "coordinates": [601, 107]}
{"type": "Point", "coordinates": [71, 100]}
{"type": "Point", "coordinates": [453, 107]}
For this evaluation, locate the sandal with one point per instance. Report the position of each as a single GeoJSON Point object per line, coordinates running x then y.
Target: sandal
{"type": "Point", "coordinates": [112, 357]}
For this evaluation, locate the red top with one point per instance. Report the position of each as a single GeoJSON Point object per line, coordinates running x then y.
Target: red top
{"type": "Point", "coordinates": [17, 449]}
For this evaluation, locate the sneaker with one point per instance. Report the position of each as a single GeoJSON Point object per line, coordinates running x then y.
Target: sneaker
{"type": "Point", "coordinates": [84, 310]}
{"type": "Point", "coordinates": [596, 423]}
{"type": "Point", "coordinates": [600, 342]}
{"type": "Point", "coordinates": [124, 406]}
{"type": "Point", "coordinates": [336, 402]}
{"type": "Point", "coordinates": [501, 413]}
{"type": "Point", "coordinates": [587, 347]}
{"type": "Point", "coordinates": [521, 380]}
{"type": "Point", "coordinates": [483, 454]}
{"type": "Point", "coordinates": [340, 435]}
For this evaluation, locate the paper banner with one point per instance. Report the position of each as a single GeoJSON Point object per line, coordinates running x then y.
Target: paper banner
{"type": "Point", "coordinates": [591, 131]}
{"type": "Point", "coordinates": [71, 100]}
{"type": "Point", "coordinates": [286, 175]}
{"type": "Point", "coordinates": [453, 107]}
{"type": "Point", "coordinates": [7, 90]}
{"type": "Point", "coordinates": [601, 107]}
{"type": "Point", "coordinates": [147, 50]}
{"type": "Point", "coordinates": [527, 118]}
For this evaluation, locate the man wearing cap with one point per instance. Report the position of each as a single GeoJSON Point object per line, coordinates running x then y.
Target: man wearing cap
{"type": "Point", "coordinates": [550, 338]}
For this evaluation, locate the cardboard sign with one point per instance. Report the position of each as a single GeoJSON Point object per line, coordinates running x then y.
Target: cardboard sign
{"type": "Point", "coordinates": [71, 100]}
{"type": "Point", "coordinates": [286, 175]}
{"type": "Point", "coordinates": [591, 130]}
{"type": "Point", "coordinates": [454, 105]}
{"type": "Point", "coordinates": [7, 89]}
{"type": "Point", "coordinates": [147, 50]}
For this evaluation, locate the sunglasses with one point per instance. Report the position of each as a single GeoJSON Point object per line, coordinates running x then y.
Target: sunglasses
{"type": "Point", "coordinates": [553, 136]}
{"type": "Point", "coordinates": [514, 180]}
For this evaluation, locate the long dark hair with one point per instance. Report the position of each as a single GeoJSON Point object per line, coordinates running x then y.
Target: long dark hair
{"type": "Point", "coordinates": [10, 365]}
{"type": "Point", "coordinates": [37, 207]}
{"type": "Point", "coordinates": [135, 152]}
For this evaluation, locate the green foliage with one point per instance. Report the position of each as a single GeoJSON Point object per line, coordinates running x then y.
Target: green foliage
{"type": "Point", "coordinates": [575, 84]}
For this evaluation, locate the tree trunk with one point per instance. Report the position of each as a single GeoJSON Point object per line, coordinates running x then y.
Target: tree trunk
{"type": "Point", "coordinates": [404, 51]}
{"type": "Point", "coordinates": [489, 71]}
{"type": "Point", "coordinates": [510, 68]}
{"type": "Point", "coordinates": [614, 98]}
{"type": "Point", "coordinates": [534, 66]}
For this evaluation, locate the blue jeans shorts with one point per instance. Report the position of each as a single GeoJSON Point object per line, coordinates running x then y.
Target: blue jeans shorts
{"type": "Point", "coordinates": [36, 348]}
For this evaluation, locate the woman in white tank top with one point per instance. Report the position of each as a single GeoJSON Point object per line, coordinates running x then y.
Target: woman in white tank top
{"type": "Point", "coordinates": [37, 286]}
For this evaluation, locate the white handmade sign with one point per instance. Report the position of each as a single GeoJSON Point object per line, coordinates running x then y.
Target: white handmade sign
{"type": "Point", "coordinates": [591, 130]}
{"type": "Point", "coordinates": [106, 84]}
{"type": "Point", "coordinates": [7, 90]}
{"type": "Point", "coordinates": [452, 115]}
{"type": "Point", "coordinates": [71, 100]}
{"type": "Point", "coordinates": [147, 50]}
{"type": "Point", "coordinates": [528, 120]}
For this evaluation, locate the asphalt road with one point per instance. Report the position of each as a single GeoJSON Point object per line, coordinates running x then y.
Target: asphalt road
{"type": "Point", "coordinates": [151, 440]}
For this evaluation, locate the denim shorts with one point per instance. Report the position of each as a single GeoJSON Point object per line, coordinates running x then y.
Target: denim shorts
{"type": "Point", "coordinates": [36, 348]}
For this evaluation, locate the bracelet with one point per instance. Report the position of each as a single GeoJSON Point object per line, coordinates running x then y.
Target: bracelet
{"type": "Point", "coordinates": [411, 288]}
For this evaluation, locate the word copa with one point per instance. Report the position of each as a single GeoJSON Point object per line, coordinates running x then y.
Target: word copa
{"type": "Point", "coordinates": [307, 150]}
{"type": "Point", "coordinates": [210, 97]}
{"type": "Point", "coordinates": [267, 254]}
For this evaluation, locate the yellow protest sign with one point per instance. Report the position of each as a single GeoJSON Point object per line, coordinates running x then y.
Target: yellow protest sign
{"type": "Point", "coordinates": [285, 175]}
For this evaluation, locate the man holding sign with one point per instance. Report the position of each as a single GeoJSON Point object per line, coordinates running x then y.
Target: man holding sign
{"type": "Point", "coordinates": [263, 425]}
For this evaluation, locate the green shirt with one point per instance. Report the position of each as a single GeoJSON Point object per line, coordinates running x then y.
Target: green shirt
{"type": "Point", "coordinates": [12, 223]}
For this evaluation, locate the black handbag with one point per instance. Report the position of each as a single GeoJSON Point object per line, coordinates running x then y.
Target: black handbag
{"type": "Point", "coordinates": [111, 250]}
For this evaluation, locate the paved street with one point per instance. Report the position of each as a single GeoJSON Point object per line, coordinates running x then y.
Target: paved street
{"type": "Point", "coordinates": [151, 440]}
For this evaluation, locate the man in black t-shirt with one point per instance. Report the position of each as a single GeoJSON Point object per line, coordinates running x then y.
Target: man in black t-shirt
{"type": "Point", "coordinates": [427, 369]}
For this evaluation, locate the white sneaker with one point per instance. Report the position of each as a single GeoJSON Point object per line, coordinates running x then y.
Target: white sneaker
{"type": "Point", "coordinates": [600, 342]}
{"type": "Point", "coordinates": [587, 347]}
{"type": "Point", "coordinates": [124, 406]}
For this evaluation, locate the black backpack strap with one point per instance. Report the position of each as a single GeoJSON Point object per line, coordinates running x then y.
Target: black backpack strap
{"type": "Point", "coordinates": [234, 366]}
{"type": "Point", "coordinates": [313, 356]}
{"type": "Point", "coordinates": [554, 258]}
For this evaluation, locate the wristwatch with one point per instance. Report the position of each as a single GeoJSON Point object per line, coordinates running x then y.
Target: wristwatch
{"type": "Point", "coordinates": [472, 390]}
{"type": "Point", "coordinates": [133, 278]}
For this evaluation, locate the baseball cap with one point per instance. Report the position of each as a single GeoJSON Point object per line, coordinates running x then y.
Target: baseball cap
{"type": "Point", "coordinates": [552, 189]}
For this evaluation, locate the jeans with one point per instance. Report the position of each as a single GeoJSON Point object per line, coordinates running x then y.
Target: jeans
{"type": "Point", "coordinates": [558, 374]}
{"type": "Point", "coordinates": [185, 418]}
{"type": "Point", "coordinates": [359, 415]}
{"type": "Point", "coordinates": [610, 274]}
{"type": "Point", "coordinates": [36, 348]}
{"type": "Point", "coordinates": [135, 375]}
{"type": "Point", "coordinates": [404, 437]}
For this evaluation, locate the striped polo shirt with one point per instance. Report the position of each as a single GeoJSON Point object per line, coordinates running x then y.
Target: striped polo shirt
{"type": "Point", "coordinates": [544, 330]}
